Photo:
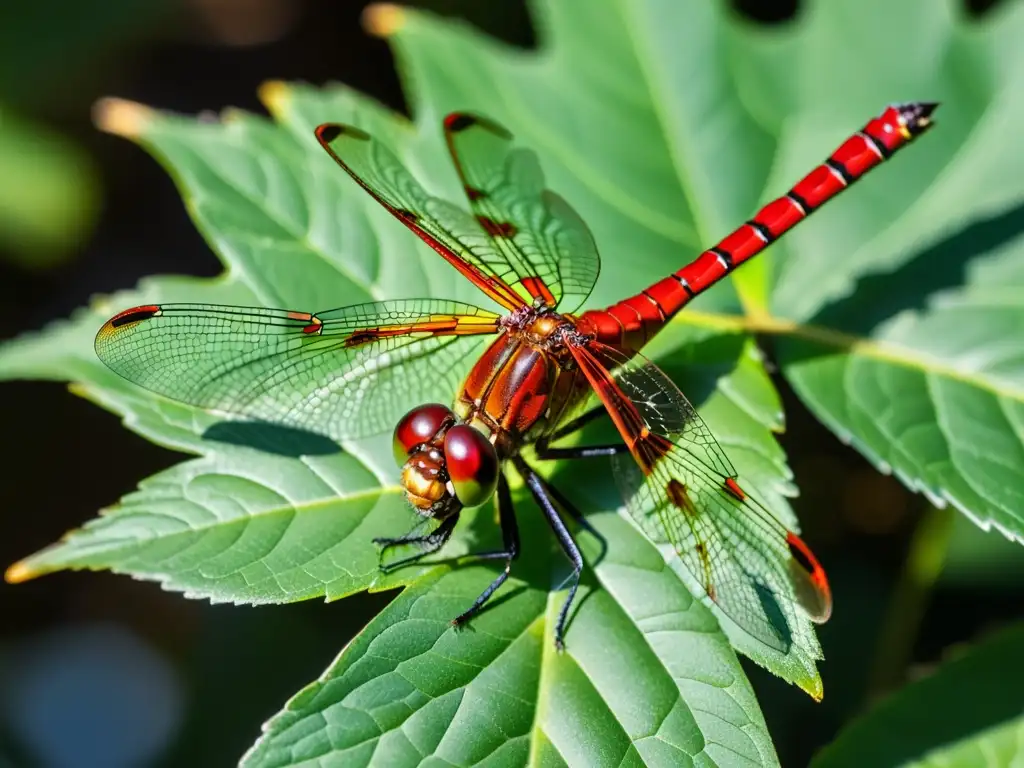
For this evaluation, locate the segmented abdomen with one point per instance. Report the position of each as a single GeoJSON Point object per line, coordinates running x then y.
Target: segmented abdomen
{"type": "Point", "coordinates": [631, 323]}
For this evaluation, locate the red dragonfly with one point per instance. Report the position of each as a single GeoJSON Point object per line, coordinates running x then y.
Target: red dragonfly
{"type": "Point", "coordinates": [362, 369]}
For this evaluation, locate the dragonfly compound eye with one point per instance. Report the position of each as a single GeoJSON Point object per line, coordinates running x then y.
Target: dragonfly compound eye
{"type": "Point", "coordinates": [418, 426]}
{"type": "Point", "coordinates": [472, 464]}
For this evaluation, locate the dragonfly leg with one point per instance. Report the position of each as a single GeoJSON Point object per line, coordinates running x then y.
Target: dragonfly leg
{"type": "Point", "coordinates": [429, 543]}
{"type": "Point", "coordinates": [581, 451]}
{"type": "Point", "coordinates": [510, 551]}
{"type": "Point", "coordinates": [573, 511]}
{"type": "Point", "coordinates": [545, 452]}
{"type": "Point", "coordinates": [543, 499]}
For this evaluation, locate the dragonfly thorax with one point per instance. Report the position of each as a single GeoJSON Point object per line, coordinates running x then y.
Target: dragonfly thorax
{"type": "Point", "coordinates": [526, 380]}
{"type": "Point", "coordinates": [446, 465]}
{"type": "Point", "coordinates": [540, 325]}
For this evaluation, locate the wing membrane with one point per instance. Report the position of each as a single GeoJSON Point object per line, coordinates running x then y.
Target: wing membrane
{"type": "Point", "coordinates": [345, 373]}
{"type": "Point", "coordinates": [455, 235]}
{"type": "Point", "coordinates": [681, 490]}
{"type": "Point", "coordinates": [548, 250]}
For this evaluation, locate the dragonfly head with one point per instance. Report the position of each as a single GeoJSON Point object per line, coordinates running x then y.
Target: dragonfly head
{"type": "Point", "coordinates": [445, 465]}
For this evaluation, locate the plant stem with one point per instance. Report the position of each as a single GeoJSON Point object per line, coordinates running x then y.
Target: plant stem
{"type": "Point", "coordinates": [925, 559]}
{"type": "Point", "coordinates": [905, 357]}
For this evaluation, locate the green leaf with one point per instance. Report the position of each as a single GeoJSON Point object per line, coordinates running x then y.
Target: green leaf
{"type": "Point", "coordinates": [241, 181]}
{"type": "Point", "coordinates": [966, 713]}
{"type": "Point", "coordinates": [498, 693]}
{"type": "Point", "coordinates": [292, 522]}
{"type": "Point", "coordinates": [665, 123]}
{"type": "Point", "coordinates": [904, 341]}
{"type": "Point", "coordinates": [243, 526]}
{"type": "Point", "coordinates": [926, 383]}
{"type": "Point", "coordinates": [935, 395]}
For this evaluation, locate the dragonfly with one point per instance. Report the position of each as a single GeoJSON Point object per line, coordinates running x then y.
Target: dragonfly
{"type": "Point", "coordinates": [521, 378]}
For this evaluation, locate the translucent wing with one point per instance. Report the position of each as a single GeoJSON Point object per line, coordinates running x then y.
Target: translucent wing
{"type": "Point", "coordinates": [547, 249]}
{"type": "Point", "coordinates": [681, 490]}
{"type": "Point", "coordinates": [345, 373]}
{"type": "Point", "coordinates": [454, 234]}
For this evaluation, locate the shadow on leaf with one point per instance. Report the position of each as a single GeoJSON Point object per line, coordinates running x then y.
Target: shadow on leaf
{"type": "Point", "coordinates": [272, 438]}
{"type": "Point", "coordinates": [943, 266]}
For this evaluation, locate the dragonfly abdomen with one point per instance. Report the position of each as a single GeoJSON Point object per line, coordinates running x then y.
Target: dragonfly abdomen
{"type": "Point", "coordinates": [631, 323]}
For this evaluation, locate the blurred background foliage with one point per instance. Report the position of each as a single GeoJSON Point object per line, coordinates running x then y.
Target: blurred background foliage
{"type": "Point", "coordinates": [50, 58]}
{"type": "Point", "coordinates": [99, 670]}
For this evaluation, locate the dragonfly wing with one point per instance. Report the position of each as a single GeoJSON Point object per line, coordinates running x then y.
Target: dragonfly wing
{"type": "Point", "coordinates": [682, 491]}
{"type": "Point", "coordinates": [547, 249]}
{"type": "Point", "coordinates": [345, 373]}
{"type": "Point", "coordinates": [451, 232]}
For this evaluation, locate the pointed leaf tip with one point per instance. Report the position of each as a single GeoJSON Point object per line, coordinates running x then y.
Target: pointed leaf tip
{"type": "Point", "coordinates": [274, 95]}
{"type": "Point", "coordinates": [383, 19]}
{"type": "Point", "coordinates": [121, 117]}
{"type": "Point", "coordinates": [20, 572]}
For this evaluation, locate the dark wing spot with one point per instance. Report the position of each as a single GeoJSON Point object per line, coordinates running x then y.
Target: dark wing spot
{"type": "Point", "coordinates": [678, 496]}
{"type": "Point", "coordinates": [497, 229]}
{"type": "Point", "coordinates": [458, 121]}
{"type": "Point", "coordinates": [407, 215]}
{"type": "Point", "coordinates": [649, 449]}
{"type": "Point", "coordinates": [359, 338]}
{"type": "Point", "coordinates": [800, 556]}
{"type": "Point", "coordinates": [328, 132]}
{"type": "Point", "coordinates": [498, 130]}
{"type": "Point", "coordinates": [475, 194]}
{"type": "Point", "coordinates": [135, 315]}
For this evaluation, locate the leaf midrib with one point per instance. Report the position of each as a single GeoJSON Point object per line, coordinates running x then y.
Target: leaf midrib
{"type": "Point", "coordinates": [319, 713]}
{"type": "Point", "coordinates": [849, 343]}
{"type": "Point", "coordinates": [48, 566]}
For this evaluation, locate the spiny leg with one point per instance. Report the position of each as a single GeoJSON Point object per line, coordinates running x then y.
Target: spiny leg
{"type": "Point", "coordinates": [581, 452]}
{"type": "Point", "coordinates": [510, 551]}
{"type": "Point", "coordinates": [572, 551]}
{"type": "Point", "coordinates": [574, 512]}
{"type": "Point", "coordinates": [545, 452]}
{"type": "Point", "coordinates": [429, 543]}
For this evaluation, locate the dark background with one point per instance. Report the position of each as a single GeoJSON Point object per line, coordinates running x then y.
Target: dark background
{"type": "Point", "coordinates": [100, 670]}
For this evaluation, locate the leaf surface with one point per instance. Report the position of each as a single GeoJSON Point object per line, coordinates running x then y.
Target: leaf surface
{"type": "Point", "coordinates": [965, 713]}
{"type": "Point", "coordinates": [665, 124]}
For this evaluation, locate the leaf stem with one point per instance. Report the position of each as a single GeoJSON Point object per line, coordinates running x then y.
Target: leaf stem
{"type": "Point", "coordinates": [925, 559]}
{"type": "Point", "coordinates": [876, 349]}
